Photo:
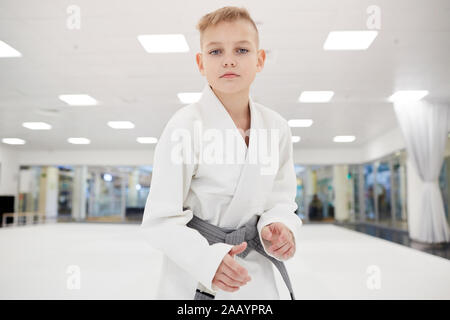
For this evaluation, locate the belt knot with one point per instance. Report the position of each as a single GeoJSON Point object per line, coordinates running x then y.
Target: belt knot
{"type": "Point", "coordinates": [246, 233]}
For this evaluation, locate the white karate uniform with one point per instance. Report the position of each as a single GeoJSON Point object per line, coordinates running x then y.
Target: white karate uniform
{"type": "Point", "coordinates": [224, 194]}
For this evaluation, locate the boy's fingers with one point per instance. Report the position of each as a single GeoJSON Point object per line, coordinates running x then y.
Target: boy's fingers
{"type": "Point", "coordinates": [238, 248]}
{"type": "Point", "coordinates": [276, 228]}
{"type": "Point", "coordinates": [278, 249]}
{"type": "Point", "coordinates": [280, 252]}
{"type": "Point", "coordinates": [282, 241]}
{"type": "Point", "coordinates": [229, 281]}
{"type": "Point", "coordinates": [230, 262]}
{"type": "Point", "coordinates": [277, 244]}
{"type": "Point", "coordinates": [282, 237]}
{"type": "Point", "coordinates": [232, 274]}
{"type": "Point", "coordinates": [266, 233]}
{"type": "Point", "coordinates": [287, 234]}
{"type": "Point", "coordinates": [290, 253]}
{"type": "Point", "coordinates": [224, 287]}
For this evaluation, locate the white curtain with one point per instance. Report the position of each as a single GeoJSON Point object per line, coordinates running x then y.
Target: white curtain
{"type": "Point", "coordinates": [424, 127]}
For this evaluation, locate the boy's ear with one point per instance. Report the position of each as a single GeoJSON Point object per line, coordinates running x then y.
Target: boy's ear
{"type": "Point", "coordinates": [199, 59]}
{"type": "Point", "coordinates": [261, 60]}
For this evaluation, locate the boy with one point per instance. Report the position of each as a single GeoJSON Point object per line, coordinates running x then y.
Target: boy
{"type": "Point", "coordinates": [224, 226]}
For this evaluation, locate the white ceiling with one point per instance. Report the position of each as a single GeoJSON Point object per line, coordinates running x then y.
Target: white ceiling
{"type": "Point", "coordinates": [105, 60]}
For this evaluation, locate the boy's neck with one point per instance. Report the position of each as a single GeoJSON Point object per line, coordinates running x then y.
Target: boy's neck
{"type": "Point", "coordinates": [237, 104]}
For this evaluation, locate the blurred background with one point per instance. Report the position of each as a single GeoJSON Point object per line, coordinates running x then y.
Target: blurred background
{"type": "Point", "coordinates": [84, 98]}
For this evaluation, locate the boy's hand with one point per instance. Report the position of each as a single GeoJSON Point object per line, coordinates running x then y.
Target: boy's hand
{"type": "Point", "coordinates": [230, 275]}
{"type": "Point", "coordinates": [279, 240]}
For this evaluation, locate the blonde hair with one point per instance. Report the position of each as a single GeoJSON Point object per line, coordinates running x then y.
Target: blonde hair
{"type": "Point", "coordinates": [228, 14]}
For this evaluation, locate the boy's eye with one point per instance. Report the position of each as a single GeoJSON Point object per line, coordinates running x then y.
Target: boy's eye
{"type": "Point", "coordinates": [239, 50]}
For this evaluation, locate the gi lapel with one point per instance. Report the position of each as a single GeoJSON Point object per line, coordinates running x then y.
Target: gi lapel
{"type": "Point", "coordinates": [248, 194]}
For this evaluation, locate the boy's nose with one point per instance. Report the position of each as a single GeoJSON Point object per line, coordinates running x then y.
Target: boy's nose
{"type": "Point", "coordinates": [229, 62]}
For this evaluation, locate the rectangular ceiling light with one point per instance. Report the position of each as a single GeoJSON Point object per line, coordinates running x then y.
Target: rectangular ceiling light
{"type": "Point", "coordinates": [37, 125]}
{"type": "Point", "coordinates": [6, 51]}
{"type": "Point", "coordinates": [78, 99]}
{"type": "Point", "coordinates": [121, 124]}
{"type": "Point", "coordinates": [189, 97]}
{"type": "Point", "coordinates": [79, 141]}
{"type": "Point", "coordinates": [13, 141]}
{"type": "Point", "coordinates": [316, 96]}
{"type": "Point", "coordinates": [150, 140]}
{"type": "Point", "coordinates": [162, 43]}
{"type": "Point", "coordinates": [408, 95]}
{"type": "Point", "coordinates": [300, 123]}
{"type": "Point", "coordinates": [344, 138]}
{"type": "Point", "coordinates": [350, 40]}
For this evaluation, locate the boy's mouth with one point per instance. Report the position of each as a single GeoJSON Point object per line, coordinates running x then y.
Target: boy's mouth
{"type": "Point", "coordinates": [229, 75]}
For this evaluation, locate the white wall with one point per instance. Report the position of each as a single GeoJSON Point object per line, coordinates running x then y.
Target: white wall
{"type": "Point", "coordinates": [305, 156]}
{"type": "Point", "coordinates": [381, 146]}
{"type": "Point", "coordinates": [11, 158]}
{"type": "Point", "coordinates": [99, 157]}
{"type": "Point", "coordinates": [9, 171]}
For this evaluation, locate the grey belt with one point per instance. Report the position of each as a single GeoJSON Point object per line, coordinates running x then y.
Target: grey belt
{"type": "Point", "coordinates": [248, 233]}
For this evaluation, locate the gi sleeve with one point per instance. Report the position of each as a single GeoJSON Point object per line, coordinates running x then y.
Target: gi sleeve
{"type": "Point", "coordinates": [164, 222]}
{"type": "Point", "coordinates": [281, 200]}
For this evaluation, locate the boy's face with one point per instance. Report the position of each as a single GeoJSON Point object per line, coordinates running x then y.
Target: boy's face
{"type": "Point", "coordinates": [228, 54]}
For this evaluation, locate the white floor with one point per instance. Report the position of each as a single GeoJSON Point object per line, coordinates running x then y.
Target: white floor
{"type": "Point", "coordinates": [113, 263]}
